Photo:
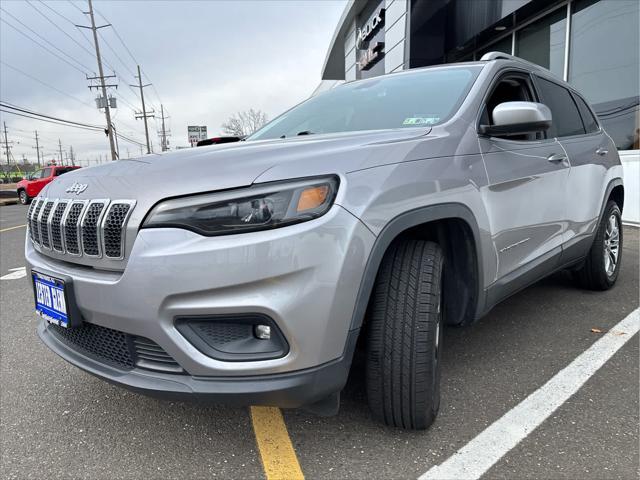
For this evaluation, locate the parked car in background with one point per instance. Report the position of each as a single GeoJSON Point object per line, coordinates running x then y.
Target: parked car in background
{"type": "Point", "coordinates": [30, 186]}
{"type": "Point", "coordinates": [217, 140]}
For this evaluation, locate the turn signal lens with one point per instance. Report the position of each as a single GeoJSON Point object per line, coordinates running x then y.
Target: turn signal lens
{"type": "Point", "coordinates": [312, 197]}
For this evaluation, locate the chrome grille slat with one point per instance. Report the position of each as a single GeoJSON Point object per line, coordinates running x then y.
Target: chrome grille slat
{"type": "Point", "coordinates": [71, 227]}
{"type": "Point", "coordinates": [90, 228]}
{"type": "Point", "coordinates": [114, 227]}
{"type": "Point", "coordinates": [32, 207]}
{"type": "Point", "coordinates": [55, 225]}
{"type": "Point", "coordinates": [80, 228]}
{"type": "Point", "coordinates": [33, 223]}
{"type": "Point", "coordinates": [43, 219]}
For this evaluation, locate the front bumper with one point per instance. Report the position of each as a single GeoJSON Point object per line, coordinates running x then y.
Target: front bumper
{"type": "Point", "coordinates": [305, 277]}
{"type": "Point", "coordinates": [286, 390]}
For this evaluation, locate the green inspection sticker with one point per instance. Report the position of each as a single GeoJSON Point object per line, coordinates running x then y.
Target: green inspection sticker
{"type": "Point", "coordinates": [421, 120]}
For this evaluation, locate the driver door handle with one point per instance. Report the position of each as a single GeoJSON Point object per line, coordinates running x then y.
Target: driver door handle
{"type": "Point", "coordinates": [602, 151]}
{"type": "Point", "coordinates": [557, 158]}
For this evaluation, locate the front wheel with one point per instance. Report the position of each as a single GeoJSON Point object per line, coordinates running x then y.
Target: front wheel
{"type": "Point", "coordinates": [23, 197]}
{"type": "Point", "coordinates": [602, 265]}
{"type": "Point", "coordinates": [405, 336]}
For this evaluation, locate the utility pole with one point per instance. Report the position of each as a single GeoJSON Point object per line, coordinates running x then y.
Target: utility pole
{"type": "Point", "coordinates": [6, 143]}
{"type": "Point", "coordinates": [37, 148]}
{"type": "Point", "coordinates": [163, 133]}
{"type": "Point", "coordinates": [60, 148]}
{"type": "Point", "coordinates": [73, 160]}
{"type": "Point", "coordinates": [101, 77]}
{"type": "Point", "coordinates": [144, 115]}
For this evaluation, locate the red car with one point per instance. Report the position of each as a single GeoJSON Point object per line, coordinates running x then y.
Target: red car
{"type": "Point", "coordinates": [31, 186]}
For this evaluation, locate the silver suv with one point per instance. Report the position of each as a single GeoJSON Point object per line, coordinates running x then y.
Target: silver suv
{"type": "Point", "coordinates": [372, 214]}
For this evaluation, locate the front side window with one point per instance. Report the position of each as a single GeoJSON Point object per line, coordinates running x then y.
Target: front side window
{"type": "Point", "coordinates": [566, 120]}
{"type": "Point", "coordinates": [416, 99]}
{"type": "Point", "coordinates": [511, 88]}
{"type": "Point", "coordinates": [46, 172]}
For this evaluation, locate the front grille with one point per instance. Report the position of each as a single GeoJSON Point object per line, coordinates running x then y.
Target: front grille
{"type": "Point", "coordinates": [90, 225]}
{"type": "Point", "coordinates": [56, 226]}
{"type": "Point", "coordinates": [71, 228]}
{"type": "Point", "coordinates": [93, 228]}
{"type": "Point", "coordinates": [101, 343]}
{"type": "Point", "coordinates": [33, 224]}
{"type": "Point", "coordinates": [151, 355]}
{"type": "Point", "coordinates": [116, 348]}
{"type": "Point", "coordinates": [113, 229]}
{"type": "Point", "coordinates": [44, 228]}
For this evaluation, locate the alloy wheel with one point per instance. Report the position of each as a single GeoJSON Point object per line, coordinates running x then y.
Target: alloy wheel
{"type": "Point", "coordinates": [611, 245]}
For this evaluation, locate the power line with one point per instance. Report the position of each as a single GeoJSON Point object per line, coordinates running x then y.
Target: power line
{"type": "Point", "coordinates": [8, 105]}
{"type": "Point", "coordinates": [46, 41]}
{"type": "Point", "coordinates": [117, 56]}
{"type": "Point", "coordinates": [75, 6]}
{"type": "Point", "coordinates": [44, 120]}
{"type": "Point", "coordinates": [58, 27]}
{"type": "Point", "coordinates": [47, 85]}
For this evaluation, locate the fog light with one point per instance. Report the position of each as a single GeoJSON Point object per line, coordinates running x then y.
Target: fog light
{"type": "Point", "coordinates": [263, 332]}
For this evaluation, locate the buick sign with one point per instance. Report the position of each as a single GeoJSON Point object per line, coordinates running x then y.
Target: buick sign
{"type": "Point", "coordinates": [77, 188]}
{"type": "Point", "coordinates": [368, 30]}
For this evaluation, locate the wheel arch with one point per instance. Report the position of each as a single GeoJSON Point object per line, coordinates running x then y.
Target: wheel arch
{"type": "Point", "coordinates": [454, 227]}
{"type": "Point", "coordinates": [617, 194]}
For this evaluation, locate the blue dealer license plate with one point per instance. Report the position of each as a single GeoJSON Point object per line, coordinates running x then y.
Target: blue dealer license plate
{"type": "Point", "coordinates": [51, 300]}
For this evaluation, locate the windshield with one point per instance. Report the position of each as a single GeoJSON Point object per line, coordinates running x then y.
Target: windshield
{"type": "Point", "coordinates": [421, 98]}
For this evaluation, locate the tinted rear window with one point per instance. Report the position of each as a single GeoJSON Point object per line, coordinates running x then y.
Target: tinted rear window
{"type": "Point", "coordinates": [416, 99]}
{"type": "Point", "coordinates": [566, 120]}
{"type": "Point", "coordinates": [590, 123]}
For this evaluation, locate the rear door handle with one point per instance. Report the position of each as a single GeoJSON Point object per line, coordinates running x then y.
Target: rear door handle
{"type": "Point", "coordinates": [602, 151]}
{"type": "Point", "coordinates": [557, 158]}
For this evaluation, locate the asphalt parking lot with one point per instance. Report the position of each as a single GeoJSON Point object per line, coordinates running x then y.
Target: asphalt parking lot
{"type": "Point", "coordinates": [59, 422]}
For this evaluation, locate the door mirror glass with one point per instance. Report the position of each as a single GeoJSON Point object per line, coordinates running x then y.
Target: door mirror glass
{"type": "Point", "coordinates": [518, 118]}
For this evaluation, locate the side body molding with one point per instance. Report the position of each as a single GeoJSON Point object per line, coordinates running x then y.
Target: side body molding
{"type": "Point", "coordinates": [404, 222]}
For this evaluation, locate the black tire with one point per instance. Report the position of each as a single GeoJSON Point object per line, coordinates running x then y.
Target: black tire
{"type": "Point", "coordinates": [405, 336]}
{"type": "Point", "coordinates": [594, 273]}
{"type": "Point", "coordinates": [23, 197]}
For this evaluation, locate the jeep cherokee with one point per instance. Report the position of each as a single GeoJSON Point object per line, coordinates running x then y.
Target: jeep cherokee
{"type": "Point", "coordinates": [377, 211]}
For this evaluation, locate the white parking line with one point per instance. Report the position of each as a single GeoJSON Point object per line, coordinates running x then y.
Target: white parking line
{"type": "Point", "coordinates": [16, 273]}
{"type": "Point", "coordinates": [481, 453]}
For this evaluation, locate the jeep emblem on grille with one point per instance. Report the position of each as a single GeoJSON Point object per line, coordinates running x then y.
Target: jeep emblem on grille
{"type": "Point", "coordinates": [77, 188]}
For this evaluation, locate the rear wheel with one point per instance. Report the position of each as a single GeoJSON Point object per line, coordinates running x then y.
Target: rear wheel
{"type": "Point", "coordinates": [23, 197]}
{"type": "Point", "coordinates": [602, 265]}
{"type": "Point", "coordinates": [405, 336]}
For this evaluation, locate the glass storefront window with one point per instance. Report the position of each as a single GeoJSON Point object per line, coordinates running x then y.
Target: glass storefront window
{"type": "Point", "coordinates": [543, 41]}
{"type": "Point", "coordinates": [604, 64]}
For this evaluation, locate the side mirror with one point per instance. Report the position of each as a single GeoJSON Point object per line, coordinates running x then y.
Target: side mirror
{"type": "Point", "coordinates": [518, 118]}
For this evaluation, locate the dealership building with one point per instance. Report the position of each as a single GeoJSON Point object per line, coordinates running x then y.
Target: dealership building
{"type": "Point", "coordinates": [592, 44]}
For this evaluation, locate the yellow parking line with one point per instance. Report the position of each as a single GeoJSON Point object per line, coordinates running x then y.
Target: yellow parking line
{"type": "Point", "coordinates": [11, 228]}
{"type": "Point", "coordinates": [279, 459]}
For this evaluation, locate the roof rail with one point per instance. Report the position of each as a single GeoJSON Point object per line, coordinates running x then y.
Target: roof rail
{"type": "Point", "coordinates": [505, 56]}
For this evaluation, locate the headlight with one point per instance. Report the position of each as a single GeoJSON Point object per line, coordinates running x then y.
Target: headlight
{"type": "Point", "coordinates": [255, 208]}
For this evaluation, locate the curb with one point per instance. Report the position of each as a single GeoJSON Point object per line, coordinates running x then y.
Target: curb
{"type": "Point", "coordinates": [8, 201]}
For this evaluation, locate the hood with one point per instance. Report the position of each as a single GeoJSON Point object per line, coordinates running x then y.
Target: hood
{"type": "Point", "coordinates": [218, 167]}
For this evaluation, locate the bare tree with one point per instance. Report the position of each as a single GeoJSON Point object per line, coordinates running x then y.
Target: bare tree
{"type": "Point", "coordinates": [244, 123]}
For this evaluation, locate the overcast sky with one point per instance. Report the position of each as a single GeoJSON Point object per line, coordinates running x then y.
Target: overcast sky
{"type": "Point", "coordinates": [206, 60]}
